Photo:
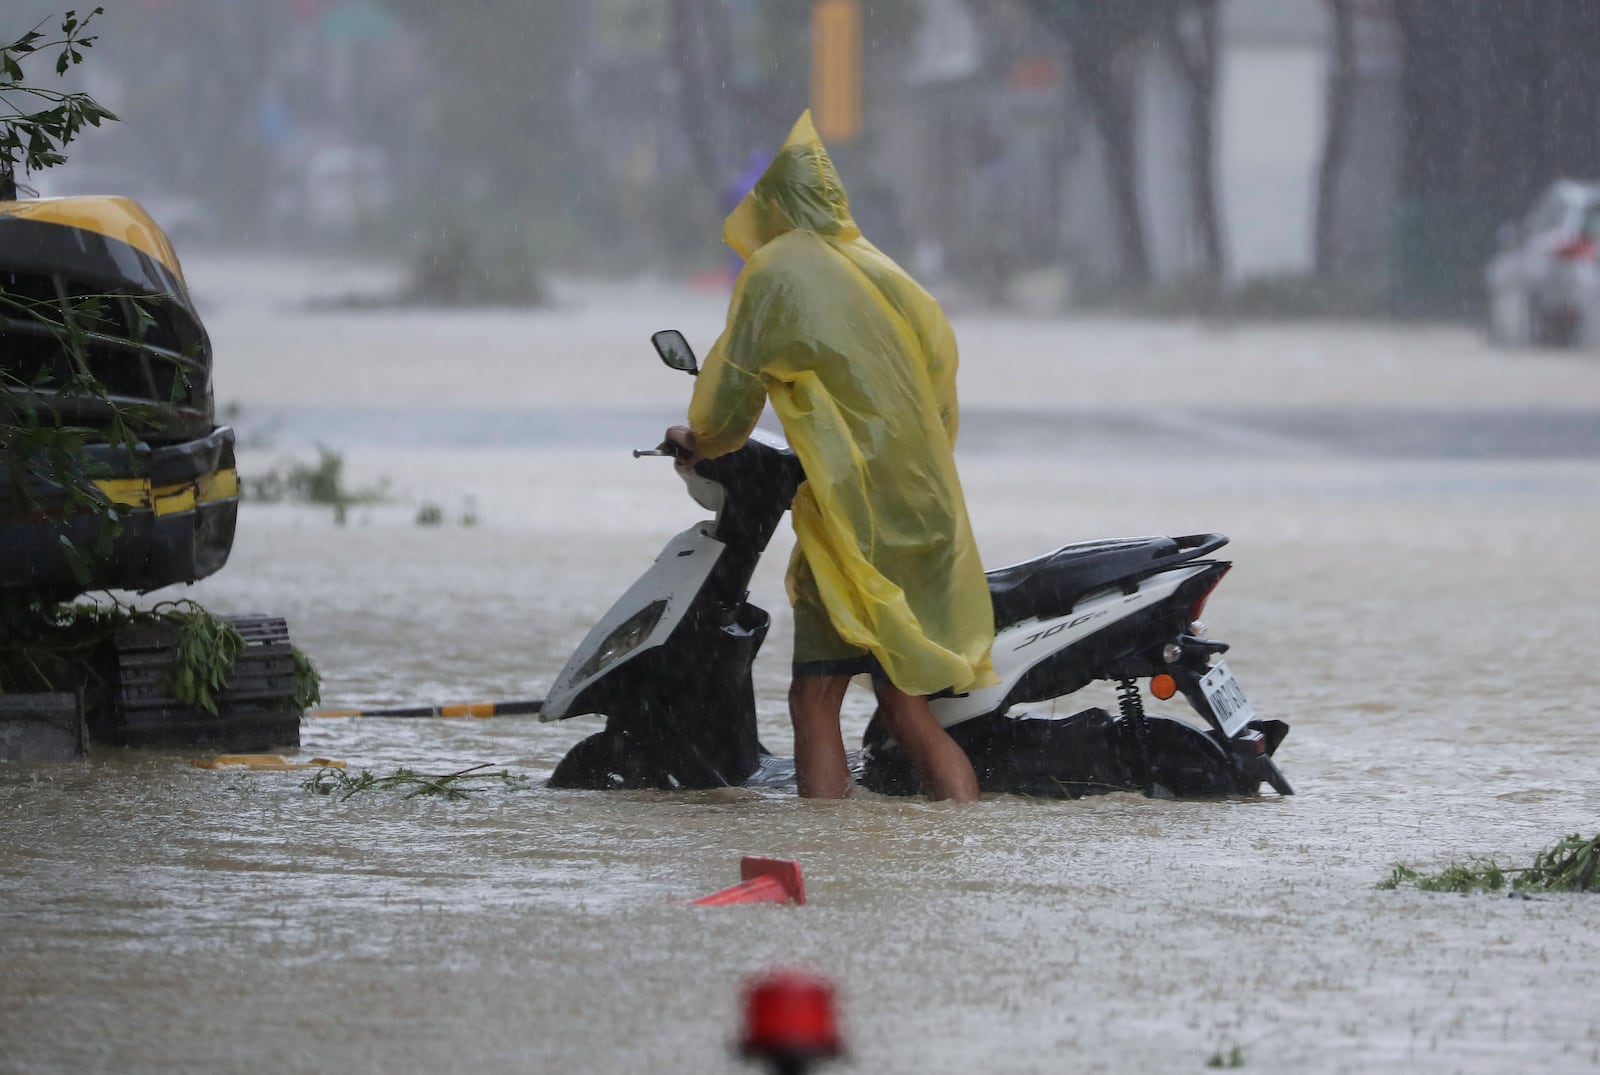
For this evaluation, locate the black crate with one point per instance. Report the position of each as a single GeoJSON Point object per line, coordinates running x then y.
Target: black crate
{"type": "Point", "coordinates": [255, 712]}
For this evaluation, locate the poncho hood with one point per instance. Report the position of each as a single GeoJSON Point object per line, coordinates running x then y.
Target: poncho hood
{"type": "Point", "coordinates": [799, 191]}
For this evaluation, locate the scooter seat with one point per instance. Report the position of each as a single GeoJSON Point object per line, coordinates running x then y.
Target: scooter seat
{"type": "Point", "coordinates": [1051, 584]}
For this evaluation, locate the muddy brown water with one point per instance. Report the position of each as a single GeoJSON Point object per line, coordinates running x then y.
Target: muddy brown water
{"type": "Point", "coordinates": [1426, 626]}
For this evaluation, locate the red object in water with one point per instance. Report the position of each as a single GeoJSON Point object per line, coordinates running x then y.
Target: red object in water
{"type": "Point", "coordinates": [789, 1019]}
{"type": "Point", "coordinates": [763, 880]}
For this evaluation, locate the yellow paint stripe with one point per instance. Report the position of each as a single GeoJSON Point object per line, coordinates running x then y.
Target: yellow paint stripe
{"type": "Point", "coordinates": [129, 492]}
{"type": "Point", "coordinates": [174, 498]}
{"type": "Point", "coordinates": [170, 499]}
{"type": "Point", "coordinates": [219, 485]}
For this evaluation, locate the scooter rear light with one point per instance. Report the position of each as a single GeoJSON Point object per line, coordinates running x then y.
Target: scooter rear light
{"type": "Point", "coordinates": [1200, 602]}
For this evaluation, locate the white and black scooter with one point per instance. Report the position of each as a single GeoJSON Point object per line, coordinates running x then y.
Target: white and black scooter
{"type": "Point", "coordinates": [669, 666]}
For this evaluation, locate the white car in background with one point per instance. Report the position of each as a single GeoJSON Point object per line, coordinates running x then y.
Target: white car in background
{"type": "Point", "coordinates": [348, 188]}
{"type": "Point", "coordinates": [1544, 284]}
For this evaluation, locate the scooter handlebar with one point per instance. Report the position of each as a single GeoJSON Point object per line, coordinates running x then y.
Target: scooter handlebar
{"type": "Point", "coordinates": [667, 448]}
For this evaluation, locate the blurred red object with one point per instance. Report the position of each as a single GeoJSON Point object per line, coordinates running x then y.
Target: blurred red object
{"type": "Point", "coordinates": [789, 1019]}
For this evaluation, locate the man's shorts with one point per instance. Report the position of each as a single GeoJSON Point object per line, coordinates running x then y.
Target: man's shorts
{"type": "Point", "coordinates": [818, 649]}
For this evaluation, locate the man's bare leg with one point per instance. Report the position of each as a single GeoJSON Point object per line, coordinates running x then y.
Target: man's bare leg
{"type": "Point", "coordinates": [821, 769]}
{"type": "Point", "coordinates": [943, 768]}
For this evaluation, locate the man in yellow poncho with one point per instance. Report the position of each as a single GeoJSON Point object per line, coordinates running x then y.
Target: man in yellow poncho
{"type": "Point", "coordinates": [859, 364]}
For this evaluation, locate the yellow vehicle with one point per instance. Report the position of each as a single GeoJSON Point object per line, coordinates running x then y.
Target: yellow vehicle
{"type": "Point", "coordinates": [114, 475]}
{"type": "Point", "coordinates": [98, 333]}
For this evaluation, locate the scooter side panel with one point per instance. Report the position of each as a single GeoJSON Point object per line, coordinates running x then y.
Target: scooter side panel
{"type": "Point", "coordinates": [676, 576]}
{"type": "Point", "coordinates": [1022, 646]}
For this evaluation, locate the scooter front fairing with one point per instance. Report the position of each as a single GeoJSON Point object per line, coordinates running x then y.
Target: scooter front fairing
{"type": "Point", "coordinates": [669, 665]}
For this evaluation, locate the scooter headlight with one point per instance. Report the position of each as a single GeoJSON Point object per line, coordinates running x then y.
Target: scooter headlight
{"type": "Point", "coordinates": [625, 639]}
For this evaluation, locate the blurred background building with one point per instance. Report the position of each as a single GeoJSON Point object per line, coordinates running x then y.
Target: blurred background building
{"type": "Point", "coordinates": [1330, 155]}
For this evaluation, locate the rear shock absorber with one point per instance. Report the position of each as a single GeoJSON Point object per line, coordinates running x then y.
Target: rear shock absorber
{"type": "Point", "coordinates": [1131, 705]}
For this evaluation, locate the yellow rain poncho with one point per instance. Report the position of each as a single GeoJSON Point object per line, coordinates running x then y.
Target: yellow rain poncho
{"type": "Point", "coordinates": [860, 365]}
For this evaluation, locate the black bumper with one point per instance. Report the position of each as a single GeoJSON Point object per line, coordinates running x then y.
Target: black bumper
{"type": "Point", "coordinates": [177, 506]}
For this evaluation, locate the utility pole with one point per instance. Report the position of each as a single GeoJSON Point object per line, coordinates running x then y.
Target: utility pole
{"type": "Point", "coordinates": [836, 70]}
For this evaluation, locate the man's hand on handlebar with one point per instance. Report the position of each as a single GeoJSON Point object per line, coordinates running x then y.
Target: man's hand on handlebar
{"type": "Point", "coordinates": [679, 443]}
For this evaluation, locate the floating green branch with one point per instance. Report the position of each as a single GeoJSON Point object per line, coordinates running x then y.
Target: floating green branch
{"type": "Point", "coordinates": [1571, 864]}
{"type": "Point", "coordinates": [332, 781]}
{"type": "Point", "coordinates": [1481, 875]}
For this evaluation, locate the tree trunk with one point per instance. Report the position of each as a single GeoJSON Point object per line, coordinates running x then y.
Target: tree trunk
{"type": "Point", "coordinates": [700, 53]}
{"type": "Point", "coordinates": [1191, 31]}
{"type": "Point", "coordinates": [1341, 85]}
{"type": "Point", "coordinates": [1111, 108]}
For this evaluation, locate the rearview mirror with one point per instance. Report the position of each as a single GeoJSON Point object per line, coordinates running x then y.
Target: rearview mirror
{"type": "Point", "coordinates": [675, 351]}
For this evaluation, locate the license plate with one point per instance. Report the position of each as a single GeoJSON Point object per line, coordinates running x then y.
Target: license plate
{"type": "Point", "coordinates": [1227, 699]}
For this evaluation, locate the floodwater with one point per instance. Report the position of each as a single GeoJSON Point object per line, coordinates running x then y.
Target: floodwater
{"type": "Point", "coordinates": [1414, 528]}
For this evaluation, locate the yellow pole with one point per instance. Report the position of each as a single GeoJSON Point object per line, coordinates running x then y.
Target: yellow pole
{"type": "Point", "coordinates": [836, 69]}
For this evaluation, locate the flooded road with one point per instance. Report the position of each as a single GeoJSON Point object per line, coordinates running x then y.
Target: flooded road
{"type": "Point", "coordinates": [1413, 523]}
